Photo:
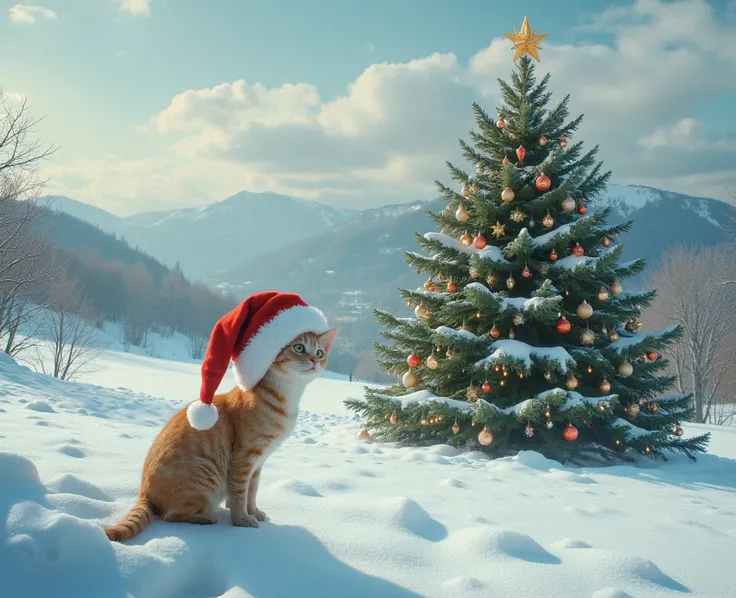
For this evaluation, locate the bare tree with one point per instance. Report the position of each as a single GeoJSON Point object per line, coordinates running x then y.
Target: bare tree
{"type": "Point", "coordinates": [690, 293]}
{"type": "Point", "coordinates": [24, 252]}
{"type": "Point", "coordinates": [197, 345]}
{"type": "Point", "coordinates": [70, 327]}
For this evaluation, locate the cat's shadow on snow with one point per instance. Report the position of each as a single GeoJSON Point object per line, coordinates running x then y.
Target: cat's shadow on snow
{"type": "Point", "coordinates": [271, 561]}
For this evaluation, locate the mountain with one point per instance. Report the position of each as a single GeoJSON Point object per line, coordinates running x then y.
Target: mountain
{"type": "Point", "coordinates": [359, 264]}
{"type": "Point", "coordinates": [96, 216]}
{"type": "Point", "coordinates": [216, 236]}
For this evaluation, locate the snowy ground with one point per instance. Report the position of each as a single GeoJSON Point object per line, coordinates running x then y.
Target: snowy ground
{"type": "Point", "coordinates": [349, 519]}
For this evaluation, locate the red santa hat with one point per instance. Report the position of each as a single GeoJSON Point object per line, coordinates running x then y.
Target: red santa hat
{"type": "Point", "coordinates": [252, 335]}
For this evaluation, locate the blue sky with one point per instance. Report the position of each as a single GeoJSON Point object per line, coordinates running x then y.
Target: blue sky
{"type": "Point", "coordinates": [143, 100]}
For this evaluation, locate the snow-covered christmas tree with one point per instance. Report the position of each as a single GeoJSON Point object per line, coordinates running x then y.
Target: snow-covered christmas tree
{"type": "Point", "coordinates": [524, 336]}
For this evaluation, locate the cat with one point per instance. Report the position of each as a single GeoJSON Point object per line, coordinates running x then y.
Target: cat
{"type": "Point", "coordinates": [187, 472]}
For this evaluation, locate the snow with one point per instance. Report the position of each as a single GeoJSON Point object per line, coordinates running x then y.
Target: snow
{"type": "Point", "coordinates": [489, 252]}
{"type": "Point", "coordinates": [463, 334]}
{"type": "Point", "coordinates": [575, 399]}
{"type": "Point", "coordinates": [632, 431]}
{"type": "Point", "coordinates": [426, 397]}
{"type": "Point", "coordinates": [542, 240]}
{"type": "Point", "coordinates": [522, 352]}
{"type": "Point", "coordinates": [636, 338]}
{"type": "Point", "coordinates": [349, 519]}
{"type": "Point", "coordinates": [571, 262]}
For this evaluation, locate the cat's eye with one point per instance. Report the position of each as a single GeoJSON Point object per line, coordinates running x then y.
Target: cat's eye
{"type": "Point", "coordinates": [298, 348]}
{"type": "Point", "coordinates": [320, 353]}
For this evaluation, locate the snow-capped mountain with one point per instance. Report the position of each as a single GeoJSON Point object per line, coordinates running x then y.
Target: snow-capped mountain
{"type": "Point", "coordinates": [216, 236]}
{"type": "Point", "coordinates": [359, 264]}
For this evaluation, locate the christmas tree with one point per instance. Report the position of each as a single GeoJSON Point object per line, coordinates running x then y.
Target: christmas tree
{"type": "Point", "coordinates": [524, 337]}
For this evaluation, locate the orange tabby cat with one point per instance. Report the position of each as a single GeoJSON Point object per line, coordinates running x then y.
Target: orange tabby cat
{"type": "Point", "coordinates": [188, 471]}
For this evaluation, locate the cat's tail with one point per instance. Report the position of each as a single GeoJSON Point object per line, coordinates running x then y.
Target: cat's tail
{"type": "Point", "coordinates": [133, 523]}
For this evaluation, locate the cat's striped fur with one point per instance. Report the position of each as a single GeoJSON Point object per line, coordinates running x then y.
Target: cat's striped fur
{"type": "Point", "coordinates": [188, 472]}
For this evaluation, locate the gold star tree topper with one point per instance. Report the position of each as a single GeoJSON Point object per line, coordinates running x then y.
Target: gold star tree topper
{"type": "Point", "coordinates": [526, 41]}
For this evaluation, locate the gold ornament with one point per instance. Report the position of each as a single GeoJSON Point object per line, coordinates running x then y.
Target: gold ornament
{"type": "Point", "coordinates": [633, 410]}
{"type": "Point", "coordinates": [474, 188]}
{"type": "Point", "coordinates": [499, 230]}
{"type": "Point", "coordinates": [548, 221]}
{"type": "Point", "coordinates": [429, 285]}
{"type": "Point", "coordinates": [491, 280]}
{"type": "Point", "coordinates": [472, 393]}
{"type": "Point", "coordinates": [526, 41]}
{"type": "Point", "coordinates": [613, 336]}
{"type": "Point", "coordinates": [510, 283]}
{"type": "Point", "coordinates": [548, 376]}
{"type": "Point", "coordinates": [466, 239]}
{"type": "Point", "coordinates": [485, 437]}
{"type": "Point", "coordinates": [363, 434]}
{"type": "Point", "coordinates": [653, 408]}
{"type": "Point", "coordinates": [512, 335]}
{"type": "Point", "coordinates": [679, 431]}
{"type": "Point", "coordinates": [518, 216]}
{"type": "Point", "coordinates": [464, 191]}
{"type": "Point", "coordinates": [633, 325]}
{"type": "Point", "coordinates": [604, 386]}
{"type": "Point", "coordinates": [625, 368]}
{"type": "Point", "coordinates": [571, 383]}
{"type": "Point", "coordinates": [455, 428]}
{"type": "Point", "coordinates": [409, 379]}
{"type": "Point", "coordinates": [462, 214]}
{"type": "Point", "coordinates": [542, 140]}
{"type": "Point", "coordinates": [616, 288]}
{"type": "Point", "coordinates": [584, 310]}
{"type": "Point", "coordinates": [519, 319]}
{"type": "Point", "coordinates": [587, 337]}
{"type": "Point", "coordinates": [432, 362]}
{"type": "Point", "coordinates": [421, 312]}
{"type": "Point", "coordinates": [393, 418]}
{"type": "Point", "coordinates": [507, 195]}
{"type": "Point", "coordinates": [568, 204]}
{"type": "Point", "coordinates": [474, 272]}
{"type": "Point", "coordinates": [602, 294]}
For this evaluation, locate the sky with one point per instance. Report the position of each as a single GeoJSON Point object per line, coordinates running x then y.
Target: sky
{"type": "Point", "coordinates": [162, 104]}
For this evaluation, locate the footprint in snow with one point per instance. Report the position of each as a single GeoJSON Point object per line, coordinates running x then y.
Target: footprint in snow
{"type": "Point", "coordinates": [41, 406]}
{"type": "Point", "coordinates": [72, 451]}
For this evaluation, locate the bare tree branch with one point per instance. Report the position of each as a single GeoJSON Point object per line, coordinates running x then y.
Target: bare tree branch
{"type": "Point", "coordinates": [690, 292]}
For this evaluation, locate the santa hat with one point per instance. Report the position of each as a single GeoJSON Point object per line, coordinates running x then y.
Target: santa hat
{"type": "Point", "coordinates": [252, 335]}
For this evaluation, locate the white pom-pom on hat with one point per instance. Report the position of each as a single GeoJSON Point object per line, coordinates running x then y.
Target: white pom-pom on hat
{"type": "Point", "coordinates": [201, 416]}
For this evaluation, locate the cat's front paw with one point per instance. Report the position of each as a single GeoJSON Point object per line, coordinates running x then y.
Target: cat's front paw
{"type": "Point", "coordinates": [245, 521]}
{"type": "Point", "coordinates": [258, 514]}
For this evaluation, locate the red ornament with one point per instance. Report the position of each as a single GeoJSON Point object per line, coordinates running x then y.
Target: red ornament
{"type": "Point", "coordinates": [652, 356]}
{"type": "Point", "coordinates": [505, 161]}
{"type": "Point", "coordinates": [479, 242]}
{"type": "Point", "coordinates": [526, 272]}
{"type": "Point", "coordinates": [578, 250]}
{"type": "Point", "coordinates": [553, 256]}
{"type": "Point", "coordinates": [455, 428]}
{"type": "Point", "coordinates": [563, 142]}
{"type": "Point", "coordinates": [529, 431]}
{"type": "Point", "coordinates": [570, 432]}
{"type": "Point", "coordinates": [520, 153]}
{"type": "Point", "coordinates": [413, 360]}
{"type": "Point", "coordinates": [501, 123]}
{"type": "Point", "coordinates": [451, 287]}
{"type": "Point", "coordinates": [543, 183]}
{"type": "Point", "coordinates": [495, 332]}
{"type": "Point", "coordinates": [486, 387]}
{"type": "Point", "coordinates": [582, 209]}
{"type": "Point", "coordinates": [563, 325]}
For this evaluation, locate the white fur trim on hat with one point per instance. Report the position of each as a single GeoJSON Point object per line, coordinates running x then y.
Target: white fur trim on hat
{"type": "Point", "coordinates": [265, 345]}
{"type": "Point", "coordinates": [201, 416]}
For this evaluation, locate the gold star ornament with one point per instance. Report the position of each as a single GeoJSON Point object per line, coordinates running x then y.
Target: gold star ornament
{"type": "Point", "coordinates": [499, 229]}
{"type": "Point", "coordinates": [526, 41]}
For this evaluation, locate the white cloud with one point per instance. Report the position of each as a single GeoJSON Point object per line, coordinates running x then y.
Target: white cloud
{"type": "Point", "coordinates": [27, 14]}
{"type": "Point", "coordinates": [138, 8]}
{"type": "Point", "coordinates": [387, 138]}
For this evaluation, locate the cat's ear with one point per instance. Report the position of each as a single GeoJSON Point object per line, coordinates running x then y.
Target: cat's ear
{"type": "Point", "coordinates": [327, 338]}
